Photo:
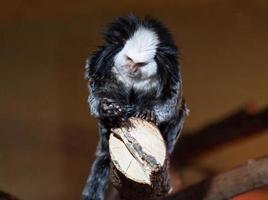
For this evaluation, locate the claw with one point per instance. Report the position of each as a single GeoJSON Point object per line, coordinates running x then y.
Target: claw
{"type": "Point", "coordinates": [148, 115]}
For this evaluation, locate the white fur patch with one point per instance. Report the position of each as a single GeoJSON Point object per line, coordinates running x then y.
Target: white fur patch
{"type": "Point", "coordinates": [140, 48]}
{"type": "Point", "coordinates": [93, 103]}
{"type": "Point", "coordinates": [138, 84]}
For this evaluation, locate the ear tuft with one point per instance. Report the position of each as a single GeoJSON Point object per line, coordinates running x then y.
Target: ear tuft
{"type": "Point", "coordinates": [121, 29]}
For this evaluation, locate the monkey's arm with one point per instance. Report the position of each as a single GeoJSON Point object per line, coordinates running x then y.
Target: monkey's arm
{"type": "Point", "coordinates": [171, 114]}
{"type": "Point", "coordinates": [173, 128]}
{"type": "Point", "coordinates": [105, 107]}
{"type": "Point", "coordinates": [166, 109]}
{"type": "Point", "coordinates": [104, 101]}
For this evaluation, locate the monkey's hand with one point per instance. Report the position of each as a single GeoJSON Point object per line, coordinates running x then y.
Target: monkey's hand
{"type": "Point", "coordinates": [148, 115]}
{"type": "Point", "coordinates": [110, 108]}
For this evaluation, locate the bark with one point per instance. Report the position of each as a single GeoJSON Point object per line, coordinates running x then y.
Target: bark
{"type": "Point", "coordinates": [251, 176]}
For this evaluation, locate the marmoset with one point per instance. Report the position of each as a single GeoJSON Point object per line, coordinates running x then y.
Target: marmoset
{"type": "Point", "coordinates": [135, 73]}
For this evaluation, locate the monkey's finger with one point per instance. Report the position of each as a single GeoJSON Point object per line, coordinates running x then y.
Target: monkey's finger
{"type": "Point", "coordinates": [143, 116]}
{"type": "Point", "coordinates": [152, 117]}
{"type": "Point", "coordinates": [110, 111]}
{"type": "Point", "coordinates": [148, 115]}
{"type": "Point", "coordinates": [110, 101]}
{"type": "Point", "coordinates": [118, 108]}
{"type": "Point", "coordinates": [105, 107]}
{"type": "Point", "coordinates": [107, 101]}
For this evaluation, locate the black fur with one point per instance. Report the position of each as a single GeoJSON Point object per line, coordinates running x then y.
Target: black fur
{"type": "Point", "coordinates": [112, 103]}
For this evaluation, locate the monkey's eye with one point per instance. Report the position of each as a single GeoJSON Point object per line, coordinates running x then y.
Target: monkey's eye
{"type": "Point", "coordinates": [129, 59]}
{"type": "Point", "coordinates": [141, 64]}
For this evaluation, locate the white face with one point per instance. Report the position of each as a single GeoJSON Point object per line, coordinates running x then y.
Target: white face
{"type": "Point", "coordinates": [136, 59]}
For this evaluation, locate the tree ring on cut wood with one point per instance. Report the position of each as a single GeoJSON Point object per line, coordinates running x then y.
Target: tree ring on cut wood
{"type": "Point", "coordinates": [139, 160]}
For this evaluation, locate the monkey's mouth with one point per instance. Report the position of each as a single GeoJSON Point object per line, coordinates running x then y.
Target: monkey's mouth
{"type": "Point", "coordinates": [135, 67]}
{"type": "Point", "coordinates": [129, 72]}
{"type": "Point", "coordinates": [134, 72]}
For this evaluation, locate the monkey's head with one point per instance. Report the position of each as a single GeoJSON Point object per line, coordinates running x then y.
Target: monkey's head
{"type": "Point", "coordinates": [136, 59]}
{"type": "Point", "coordinates": [138, 49]}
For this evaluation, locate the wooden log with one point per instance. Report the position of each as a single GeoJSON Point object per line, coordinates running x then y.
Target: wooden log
{"type": "Point", "coordinates": [253, 175]}
{"type": "Point", "coordinates": [139, 164]}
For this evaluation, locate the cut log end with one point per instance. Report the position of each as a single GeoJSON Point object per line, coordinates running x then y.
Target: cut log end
{"type": "Point", "coordinates": [139, 161]}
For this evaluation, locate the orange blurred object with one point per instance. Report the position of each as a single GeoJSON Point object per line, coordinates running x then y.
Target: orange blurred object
{"type": "Point", "coordinates": [261, 194]}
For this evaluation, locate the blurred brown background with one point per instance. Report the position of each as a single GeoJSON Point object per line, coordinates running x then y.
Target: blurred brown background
{"type": "Point", "coordinates": [48, 139]}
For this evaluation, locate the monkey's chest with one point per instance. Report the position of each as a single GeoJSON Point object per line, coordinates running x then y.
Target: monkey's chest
{"type": "Point", "coordinates": [142, 98]}
{"type": "Point", "coordinates": [138, 91]}
{"type": "Point", "coordinates": [139, 85]}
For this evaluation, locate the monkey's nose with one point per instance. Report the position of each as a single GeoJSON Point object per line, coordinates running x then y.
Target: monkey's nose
{"type": "Point", "coordinates": [132, 67]}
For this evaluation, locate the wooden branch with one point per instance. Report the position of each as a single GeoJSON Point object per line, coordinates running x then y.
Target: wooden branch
{"type": "Point", "coordinates": [240, 180]}
{"type": "Point", "coordinates": [139, 164]}
{"type": "Point", "coordinates": [243, 123]}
